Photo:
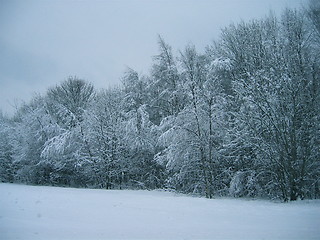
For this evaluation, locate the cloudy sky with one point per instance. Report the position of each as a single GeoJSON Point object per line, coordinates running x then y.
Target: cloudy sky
{"type": "Point", "coordinates": [42, 42]}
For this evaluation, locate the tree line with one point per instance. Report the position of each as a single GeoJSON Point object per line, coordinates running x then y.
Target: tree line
{"type": "Point", "coordinates": [241, 119]}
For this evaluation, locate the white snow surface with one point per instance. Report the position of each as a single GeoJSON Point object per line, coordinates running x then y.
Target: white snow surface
{"type": "Point", "coordinates": [30, 212]}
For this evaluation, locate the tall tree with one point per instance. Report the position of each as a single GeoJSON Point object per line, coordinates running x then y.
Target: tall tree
{"type": "Point", "coordinates": [275, 82]}
{"type": "Point", "coordinates": [139, 134]}
{"type": "Point", "coordinates": [165, 85]}
{"type": "Point", "coordinates": [66, 104]}
{"type": "Point", "coordinates": [194, 137]}
{"type": "Point", "coordinates": [102, 127]}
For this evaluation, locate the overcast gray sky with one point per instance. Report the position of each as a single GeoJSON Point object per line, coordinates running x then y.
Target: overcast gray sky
{"type": "Point", "coordinates": [43, 42]}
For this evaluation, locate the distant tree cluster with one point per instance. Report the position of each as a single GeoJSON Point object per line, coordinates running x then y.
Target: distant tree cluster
{"type": "Point", "coordinates": [241, 119]}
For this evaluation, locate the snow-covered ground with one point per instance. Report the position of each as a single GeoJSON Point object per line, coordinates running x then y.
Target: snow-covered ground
{"type": "Point", "coordinates": [28, 212]}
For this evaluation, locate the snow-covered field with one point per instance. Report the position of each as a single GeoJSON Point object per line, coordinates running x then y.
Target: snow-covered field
{"type": "Point", "coordinates": [28, 212]}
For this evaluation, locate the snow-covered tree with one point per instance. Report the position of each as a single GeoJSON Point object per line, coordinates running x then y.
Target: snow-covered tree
{"type": "Point", "coordinates": [275, 84]}
{"type": "Point", "coordinates": [139, 134]}
{"type": "Point", "coordinates": [32, 128]}
{"type": "Point", "coordinates": [165, 86]}
{"type": "Point", "coordinates": [7, 168]}
{"type": "Point", "coordinates": [102, 127]}
{"type": "Point", "coordinates": [193, 137]}
{"type": "Point", "coordinates": [242, 119]}
{"type": "Point", "coordinates": [68, 148]}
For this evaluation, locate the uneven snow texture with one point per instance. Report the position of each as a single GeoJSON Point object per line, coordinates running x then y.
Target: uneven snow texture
{"type": "Point", "coordinates": [28, 212]}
